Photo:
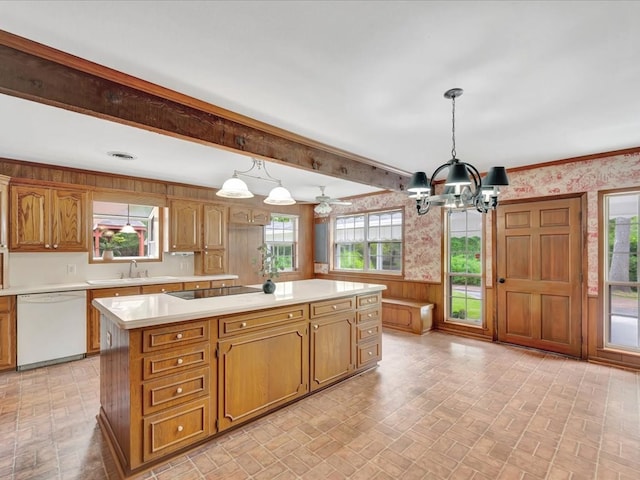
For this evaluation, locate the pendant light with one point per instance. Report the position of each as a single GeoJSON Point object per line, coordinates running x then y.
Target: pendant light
{"type": "Point", "coordinates": [463, 187]}
{"type": "Point", "coordinates": [128, 228]}
{"type": "Point", "coordinates": [234, 187]}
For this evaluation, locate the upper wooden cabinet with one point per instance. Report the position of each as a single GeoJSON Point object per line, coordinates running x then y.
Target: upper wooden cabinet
{"type": "Point", "coordinates": [194, 226]}
{"type": "Point", "coordinates": [48, 219]}
{"type": "Point", "coordinates": [249, 216]}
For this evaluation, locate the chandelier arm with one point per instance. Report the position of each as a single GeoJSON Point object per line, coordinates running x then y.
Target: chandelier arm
{"type": "Point", "coordinates": [475, 175]}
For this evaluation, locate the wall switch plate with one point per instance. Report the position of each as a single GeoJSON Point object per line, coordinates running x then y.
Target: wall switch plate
{"type": "Point", "coordinates": [71, 269]}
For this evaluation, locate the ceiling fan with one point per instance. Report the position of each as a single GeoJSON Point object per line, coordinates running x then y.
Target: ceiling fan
{"type": "Point", "coordinates": [324, 203]}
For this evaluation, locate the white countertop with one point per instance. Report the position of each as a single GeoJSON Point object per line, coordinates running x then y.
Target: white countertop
{"type": "Point", "coordinates": [156, 309]}
{"type": "Point", "coordinates": [110, 283]}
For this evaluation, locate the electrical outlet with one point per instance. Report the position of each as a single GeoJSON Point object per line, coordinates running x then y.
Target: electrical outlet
{"type": "Point", "coordinates": [71, 269]}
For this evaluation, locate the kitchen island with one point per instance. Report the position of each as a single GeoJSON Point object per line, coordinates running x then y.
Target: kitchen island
{"type": "Point", "coordinates": [177, 369]}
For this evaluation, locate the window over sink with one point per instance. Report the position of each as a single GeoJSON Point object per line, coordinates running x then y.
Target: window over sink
{"type": "Point", "coordinates": [123, 231]}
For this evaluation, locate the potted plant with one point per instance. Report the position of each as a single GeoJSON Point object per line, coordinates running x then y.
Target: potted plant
{"type": "Point", "coordinates": [108, 245]}
{"type": "Point", "coordinates": [269, 268]}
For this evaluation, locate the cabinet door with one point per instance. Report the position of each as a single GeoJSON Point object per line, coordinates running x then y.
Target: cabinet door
{"type": "Point", "coordinates": [214, 234]}
{"type": "Point", "coordinates": [68, 226]}
{"type": "Point", "coordinates": [260, 217]}
{"type": "Point", "coordinates": [93, 315]}
{"type": "Point", "coordinates": [258, 372]}
{"type": "Point", "coordinates": [333, 349]}
{"type": "Point", "coordinates": [185, 219]}
{"type": "Point", "coordinates": [240, 215]}
{"type": "Point", "coordinates": [7, 341]}
{"type": "Point", "coordinates": [29, 218]}
{"type": "Point", "coordinates": [213, 262]}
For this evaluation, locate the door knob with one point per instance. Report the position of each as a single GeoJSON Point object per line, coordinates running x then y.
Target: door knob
{"type": "Point", "coordinates": [501, 280]}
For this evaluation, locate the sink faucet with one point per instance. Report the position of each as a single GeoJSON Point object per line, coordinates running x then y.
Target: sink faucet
{"type": "Point", "coordinates": [131, 265]}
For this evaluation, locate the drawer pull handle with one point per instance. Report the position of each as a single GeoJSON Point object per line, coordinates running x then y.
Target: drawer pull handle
{"type": "Point", "coordinates": [179, 390]}
{"type": "Point", "coordinates": [117, 294]}
{"type": "Point", "coordinates": [163, 290]}
{"type": "Point", "coordinates": [369, 315]}
{"type": "Point", "coordinates": [180, 428]}
{"type": "Point", "coordinates": [370, 353]}
{"type": "Point", "coordinates": [335, 307]}
{"type": "Point", "coordinates": [178, 336]}
{"type": "Point", "coordinates": [243, 324]}
{"type": "Point", "coordinates": [369, 332]}
{"type": "Point", "coordinates": [197, 286]}
{"type": "Point", "coordinates": [315, 327]}
{"type": "Point", "coordinates": [290, 315]}
{"type": "Point", "coordinates": [180, 361]}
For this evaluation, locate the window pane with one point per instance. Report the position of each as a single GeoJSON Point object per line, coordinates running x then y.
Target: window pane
{"type": "Point", "coordinates": [109, 218]}
{"type": "Point", "coordinates": [622, 283]}
{"type": "Point", "coordinates": [385, 256]}
{"type": "Point", "coordinates": [350, 256]}
{"type": "Point", "coordinates": [464, 267]}
{"type": "Point", "coordinates": [281, 238]}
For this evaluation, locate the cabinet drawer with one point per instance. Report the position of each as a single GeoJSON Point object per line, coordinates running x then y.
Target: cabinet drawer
{"type": "Point", "coordinates": [369, 353]}
{"type": "Point", "coordinates": [175, 428]}
{"type": "Point", "coordinates": [172, 362]}
{"type": "Point", "coordinates": [162, 288]}
{"type": "Point", "coordinates": [222, 283]}
{"type": "Point", "coordinates": [329, 307]}
{"type": "Point", "coordinates": [115, 292]}
{"type": "Point", "coordinates": [236, 324]}
{"type": "Point", "coordinates": [173, 390]}
{"type": "Point", "coordinates": [174, 336]}
{"type": "Point", "coordinates": [368, 330]}
{"type": "Point", "coordinates": [368, 315]}
{"type": "Point", "coordinates": [365, 301]}
{"type": "Point", "coordinates": [197, 285]}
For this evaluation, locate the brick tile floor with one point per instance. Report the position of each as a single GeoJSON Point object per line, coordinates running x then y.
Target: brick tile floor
{"type": "Point", "coordinates": [437, 407]}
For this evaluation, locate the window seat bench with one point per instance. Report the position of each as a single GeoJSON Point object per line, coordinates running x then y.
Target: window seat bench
{"type": "Point", "coordinates": [408, 315]}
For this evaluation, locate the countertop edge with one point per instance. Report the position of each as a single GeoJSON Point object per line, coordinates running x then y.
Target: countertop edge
{"type": "Point", "coordinates": [210, 309]}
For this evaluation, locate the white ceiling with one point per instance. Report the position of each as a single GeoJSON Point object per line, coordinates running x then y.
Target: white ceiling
{"type": "Point", "coordinates": [543, 81]}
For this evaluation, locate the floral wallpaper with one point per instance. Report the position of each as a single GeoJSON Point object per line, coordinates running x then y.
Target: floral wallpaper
{"type": "Point", "coordinates": [423, 234]}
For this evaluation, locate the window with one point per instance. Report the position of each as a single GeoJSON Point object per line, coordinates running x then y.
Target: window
{"type": "Point", "coordinates": [281, 237]}
{"type": "Point", "coordinates": [622, 304]}
{"type": "Point", "coordinates": [110, 242]}
{"type": "Point", "coordinates": [369, 242]}
{"type": "Point", "coordinates": [464, 267]}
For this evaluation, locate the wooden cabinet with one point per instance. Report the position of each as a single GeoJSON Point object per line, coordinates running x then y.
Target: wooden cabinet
{"type": "Point", "coordinates": [4, 212]}
{"type": "Point", "coordinates": [264, 368]}
{"type": "Point", "coordinates": [200, 228]}
{"type": "Point", "coordinates": [93, 315]}
{"type": "Point", "coordinates": [249, 216]}
{"type": "Point", "coordinates": [48, 219]}
{"type": "Point", "coordinates": [185, 220]}
{"type": "Point", "coordinates": [7, 333]}
{"type": "Point", "coordinates": [173, 403]}
{"type": "Point", "coordinates": [369, 329]}
{"type": "Point", "coordinates": [333, 341]}
{"type": "Point", "coordinates": [162, 288]}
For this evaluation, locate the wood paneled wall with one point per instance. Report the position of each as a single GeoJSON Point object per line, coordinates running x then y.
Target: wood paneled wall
{"type": "Point", "coordinates": [399, 288]}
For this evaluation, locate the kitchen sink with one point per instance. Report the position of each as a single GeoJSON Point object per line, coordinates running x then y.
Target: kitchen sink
{"type": "Point", "coordinates": [134, 280]}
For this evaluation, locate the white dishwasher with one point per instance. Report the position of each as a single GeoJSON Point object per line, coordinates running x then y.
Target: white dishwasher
{"type": "Point", "coordinates": [52, 328]}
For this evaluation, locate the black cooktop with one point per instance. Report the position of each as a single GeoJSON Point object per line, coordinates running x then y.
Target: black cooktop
{"type": "Point", "coordinates": [214, 292]}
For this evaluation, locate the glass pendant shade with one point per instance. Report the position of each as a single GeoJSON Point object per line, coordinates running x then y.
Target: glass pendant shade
{"type": "Point", "coordinates": [458, 175]}
{"type": "Point", "coordinates": [128, 229]}
{"type": "Point", "coordinates": [279, 196]}
{"type": "Point", "coordinates": [323, 209]}
{"type": "Point", "coordinates": [419, 183]}
{"type": "Point", "coordinates": [234, 188]}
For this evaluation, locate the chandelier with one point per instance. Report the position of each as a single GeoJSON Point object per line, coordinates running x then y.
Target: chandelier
{"type": "Point", "coordinates": [463, 188]}
{"type": "Point", "coordinates": [234, 187]}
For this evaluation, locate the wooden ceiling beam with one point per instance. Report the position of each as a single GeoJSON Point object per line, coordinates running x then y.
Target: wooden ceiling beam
{"type": "Point", "coordinates": [35, 72]}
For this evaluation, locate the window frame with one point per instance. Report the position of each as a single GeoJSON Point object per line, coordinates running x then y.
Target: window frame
{"type": "Point", "coordinates": [366, 243]}
{"type": "Point", "coordinates": [606, 283]}
{"type": "Point", "coordinates": [123, 198]}
{"type": "Point", "coordinates": [448, 274]}
{"type": "Point", "coordinates": [295, 247]}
